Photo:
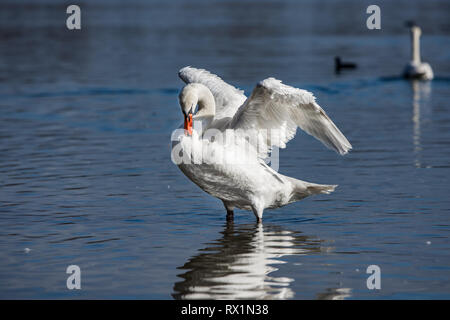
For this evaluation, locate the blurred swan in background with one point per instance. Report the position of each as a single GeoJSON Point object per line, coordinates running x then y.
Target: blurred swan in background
{"type": "Point", "coordinates": [416, 69]}
{"type": "Point", "coordinates": [235, 172]}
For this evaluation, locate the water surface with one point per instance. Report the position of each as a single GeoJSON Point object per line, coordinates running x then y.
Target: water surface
{"type": "Point", "coordinates": [86, 177]}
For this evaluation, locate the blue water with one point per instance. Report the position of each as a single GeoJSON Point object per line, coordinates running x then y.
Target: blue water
{"type": "Point", "coordinates": [86, 176]}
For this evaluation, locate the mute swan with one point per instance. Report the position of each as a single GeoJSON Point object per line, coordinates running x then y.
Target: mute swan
{"type": "Point", "coordinates": [223, 145]}
{"type": "Point", "coordinates": [416, 69]}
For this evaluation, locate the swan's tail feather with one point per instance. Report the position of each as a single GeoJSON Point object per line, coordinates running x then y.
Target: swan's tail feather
{"type": "Point", "coordinates": [303, 189]}
{"type": "Point", "coordinates": [320, 188]}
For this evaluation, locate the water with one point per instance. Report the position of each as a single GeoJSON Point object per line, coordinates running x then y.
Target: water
{"type": "Point", "coordinates": [86, 177]}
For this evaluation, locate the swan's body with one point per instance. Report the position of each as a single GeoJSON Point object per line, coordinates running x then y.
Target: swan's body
{"type": "Point", "coordinates": [231, 167]}
{"type": "Point", "coordinates": [416, 69]}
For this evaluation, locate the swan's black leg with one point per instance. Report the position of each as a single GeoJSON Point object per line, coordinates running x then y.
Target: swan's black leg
{"type": "Point", "coordinates": [230, 213]}
{"type": "Point", "coordinates": [258, 212]}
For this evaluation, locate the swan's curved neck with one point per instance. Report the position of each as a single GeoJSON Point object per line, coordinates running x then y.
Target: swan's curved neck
{"type": "Point", "coordinates": [415, 44]}
{"type": "Point", "coordinates": [206, 103]}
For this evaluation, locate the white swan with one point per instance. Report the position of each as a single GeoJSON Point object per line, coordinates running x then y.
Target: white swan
{"type": "Point", "coordinates": [416, 69]}
{"type": "Point", "coordinates": [223, 153]}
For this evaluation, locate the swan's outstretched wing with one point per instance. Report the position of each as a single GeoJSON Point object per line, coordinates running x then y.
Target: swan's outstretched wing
{"type": "Point", "coordinates": [275, 110]}
{"type": "Point", "coordinates": [228, 99]}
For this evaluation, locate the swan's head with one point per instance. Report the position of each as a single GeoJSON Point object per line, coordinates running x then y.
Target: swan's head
{"type": "Point", "coordinates": [192, 95]}
{"type": "Point", "coordinates": [416, 31]}
{"type": "Point", "coordinates": [413, 27]}
{"type": "Point", "coordinates": [188, 99]}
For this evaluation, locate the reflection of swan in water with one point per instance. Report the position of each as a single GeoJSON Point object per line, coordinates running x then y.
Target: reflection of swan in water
{"type": "Point", "coordinates": [335, 294]}
{"type": "Point", "coordinates": [421, 97]}
{"type": "Point", "coordinates": [239, 264]}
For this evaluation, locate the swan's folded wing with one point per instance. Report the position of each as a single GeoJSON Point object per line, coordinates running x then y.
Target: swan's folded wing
{"type": "Point", "coordinates": [228, 99]}
{"type": "Point", "coordinates": [275, 110]}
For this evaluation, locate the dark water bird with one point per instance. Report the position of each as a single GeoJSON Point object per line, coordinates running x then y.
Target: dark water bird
{"type": "Point", "coordinates": [416, 69]}
{"type": "Point", "coordinates": [339, 64]}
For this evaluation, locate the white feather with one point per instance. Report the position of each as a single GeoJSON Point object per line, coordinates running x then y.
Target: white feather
{"type": "Point", "coordinates": [280, 109]}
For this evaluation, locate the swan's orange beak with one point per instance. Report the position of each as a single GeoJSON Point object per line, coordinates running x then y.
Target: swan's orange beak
{"type": "Point", "coordinates": [188, 124]}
